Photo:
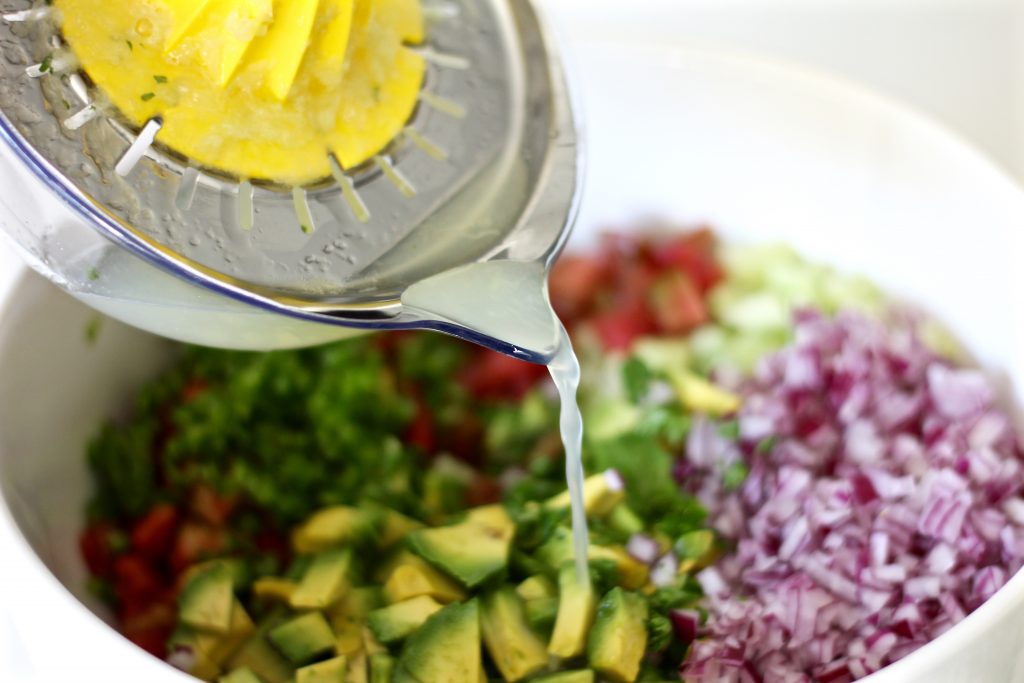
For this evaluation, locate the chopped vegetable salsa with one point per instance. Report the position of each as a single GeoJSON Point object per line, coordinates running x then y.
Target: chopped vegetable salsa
{"type": "Point", "coordinates": [789, 480]}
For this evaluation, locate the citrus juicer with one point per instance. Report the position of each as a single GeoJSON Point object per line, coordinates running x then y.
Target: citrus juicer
{"type": "Point", "coordinates": [485, 169]}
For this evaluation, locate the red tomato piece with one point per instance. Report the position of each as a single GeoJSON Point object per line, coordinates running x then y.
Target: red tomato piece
{"type": "Point", "coordinates": [619, 328]}
{"type": "Point", "coordinates": [94, 544]}
{"type": "Point", "coordinates": [135, 580]}
{"type": "Point", "coordinates": [196, 542]}
{"type": "Point", "coordinates": [211, 506]}
{"type": "Point", "coordinates": [483, 491]}
{"type": "Point", "coordinates": [152, 535]}
{"type": "Point", "coordinates": [193, 388]}
{"type": "Point", "coordinates": [494, 375]}
{"type": "Point", "coordinates": [693, 253]}
{"type": "Point", "coordinates": [574, 283]}
{"type": "Point", "coordinates": [677, 303]}
{"type": "Point", "coordinates": [421, 432]}
{"type": "Point", "coordinates": [149, 626]}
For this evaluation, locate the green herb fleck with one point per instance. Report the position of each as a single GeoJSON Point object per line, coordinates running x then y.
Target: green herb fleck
{"type": "Point", "coordinates": [92, 329]}
{"type": "Point", "coordinates": [94, 273]}
{"type": "Point", "coordinates": [766, 444]}
{"type": "Point", "coordinates": [694, 545]}
{"type": "Point", "coordinates": [131, 46]}
{"type": "Point", "coordinates": [729, 430]}
{"type": "Point", "coordinates": [636, 377]}
{"type": "Point", "coordinates": [147, 96]}
{"type": "Point", "coordinates": [734, 476]}
{"type": "Point", "coordinates": [159, 78]}
{"type": "Point", "coordinates": [67, 105]}
{"type": "Point", "coordinates": [305, 228]}
{"type": "Point", "coordinates": [659, 632]}
{"type": "Point", "coordinates": [46, 65]}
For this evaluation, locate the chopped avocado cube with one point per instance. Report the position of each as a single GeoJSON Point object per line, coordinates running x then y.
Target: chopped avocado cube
{"type": "Point", "coordinates": [201, 666]}
{"type": "Point", "coordinates": [471, 551]}
{"type": "Point", "coordinates": [395, 528]}
{"type": "Point", "coordinates": [371, 644]}
{"type": "Point", "coordinates": [215, 648]}
{"type": "Point", "coordinates": [273, 588]}
{"type": "Point", "coordinates": [334, 526]}
{"type": "Point", "coordinates": [329, 671]}
{"type": "Point", "coordinates": [541, 613]}
{"type": "Point", "coordinates": [694, 545]}
{"type": "Point", "coordinates": [412, 580]}
{"type": "Point", "coordinates": [348, 634]}
{"type": "Point", "coordinates": [575, 614]}
{"type": "Point", "coordinates": [394, 622]}
{"type": "Point", "coordinates": [358, 602]}
{"type": "Point", "coordinates": [619, 637]}
{"type": "Point", "coordinates": [381, 667]}
{"type": "Point", "coordinates": [240, 676]}
{"type": "Point", "coordinates": [514, 648]}
{"type": "Point", "coordinates": [446, 649]}
{"type": "Point", "coordinates": [535, 587]}
{"type": "Point", "coordinates": [258, 656]}
{"type": "Point", "coordinates": [623, 519]}
{"type": "Point", "coordinates": [558, 550]}
{"type": "Point", "coordinates": [357, 669]}
{"type": "Point", "coordinates": [663, 354]}
{"type": "Point", "coordinates": [325, 581]}
{"type": "Point", "coordinates": [601, 493]}
{"type": "Point", "coordinates": [207, 600]}
{"type": "Point", "coordinates": [303, 638]}
{"type": "Point", "coordinates": [701, 396]}
{"type": "Point", "coordinates": [581, 676]}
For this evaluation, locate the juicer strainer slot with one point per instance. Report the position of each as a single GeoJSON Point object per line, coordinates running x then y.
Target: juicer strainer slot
{"type": "Point", "coordinates": [142, 142]}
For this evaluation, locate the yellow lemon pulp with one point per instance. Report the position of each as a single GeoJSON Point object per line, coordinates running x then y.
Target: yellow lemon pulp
{"type": "Point", "coordinates": [257, 88]}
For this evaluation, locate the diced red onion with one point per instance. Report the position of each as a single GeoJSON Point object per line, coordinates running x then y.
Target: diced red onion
{"type": "Point", "coordinates": [643, 548]}
{"type": "Point", "coordinates": [891, 506]}
{"type": "Point", "coordinates": [685, 623]}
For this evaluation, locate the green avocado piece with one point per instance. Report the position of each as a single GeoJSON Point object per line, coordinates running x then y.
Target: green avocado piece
{"type": "Point", "coordinates": [329, 671]}
{"type": "Point", "coordinates": [212, 649]}
{"type": "Point", "coordinates": [303, 638]}
{"type": "Point", "coordinates": [619, 636]}
{"type": "Point", "coordinates": [207, 600]}
{"type": "Point", "coordinates": [541, 613]}
{"type": "Point", "coordinates": [258, 656]}
{"type": "Point", "coordinates": [334, 526]}
{"type": "Point", "coordinates": [394, 622]}
{"type": "Point", "coordinates": [240, 676]}
{"type": "Point", "coordinates": [382, 666]}
{"type": "Point", "coordinates": [535, 587]}
{"type": "Point", "coordinates": [575, 614]}
{"type": "Point", "coordinates": [446, 649]}
{"type": "Point", "coordinates": [580, 676]}
{"type": "Point", "coordinates": [325, 581]}
{"type": "Point", "coordinates": [471, 551]}
{"type": "Point", "coordinates": [514, 648]}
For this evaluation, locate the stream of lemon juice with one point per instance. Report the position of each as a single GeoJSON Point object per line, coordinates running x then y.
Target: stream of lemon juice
{"type": "Point", "coordinates": [507, 300]}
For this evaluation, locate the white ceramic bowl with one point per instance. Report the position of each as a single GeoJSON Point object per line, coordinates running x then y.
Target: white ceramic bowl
{"type": "Point", "coordinates": [761, 151]}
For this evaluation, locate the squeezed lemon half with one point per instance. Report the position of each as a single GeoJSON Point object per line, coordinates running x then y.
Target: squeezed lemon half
{"type": "Point", "coordinates": [260, 89]}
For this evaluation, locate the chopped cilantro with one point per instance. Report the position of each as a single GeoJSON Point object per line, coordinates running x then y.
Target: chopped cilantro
{"type": "Point", "coordinates": [766, 444]}
{"type": "Point", "coordinates": [636, 377]}
{"type": "Point", "coordinates": [734, 476]}
{"type": "Point", "coordinates": [92, 329]}
{"type": "Point", "coordinates": [159, 79]}
{"type": "Point", "coordinates": [147, 96]}
{"type": "Point", "coordinates": [659, 632]}
{"type": "Point", "coordinates": [131, 46]}
{"type": "Point", "coordinates": [94, 273]}
{"type": "Point", "coordinates": [729, 429]}
{"type": "Point", "coordinates": [46, 65]}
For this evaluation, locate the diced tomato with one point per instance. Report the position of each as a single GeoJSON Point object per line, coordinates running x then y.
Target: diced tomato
{"type": "Point", "coordinates": [135, 580]}
{"type": "Point", "coordinates": [152, 535]}
{"type": "Point", "coordinates": [421, 432]}
{"type": "Point", "coordinates": [497, 376]}
{"type": "Point", "coordinates": [196, 542]}
{"type": "Point", "coordinates": [149, 625]}
{"type": "Point", "coordinates": [693, 253]}
{"type": "Point", "coordinates": [211, 506]}
{"type": "Point", "coordinates": [619, 328]}
{"type": "Point", "coordinates": [574, 283]}
{"type": "Point", "coordinates": [677, 304]}
{"type": "Point", "coordinates": [463, 439]}
{"type": "Point", "coordinates": [483, 491]}
{"type": "Point", "coordinates": [95, 546]}
{"type": "Point", "coordinates": [193, 388]}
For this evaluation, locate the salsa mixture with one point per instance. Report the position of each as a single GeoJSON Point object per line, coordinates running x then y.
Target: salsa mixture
{"type": "Point", "coordinates": [790, 480]}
